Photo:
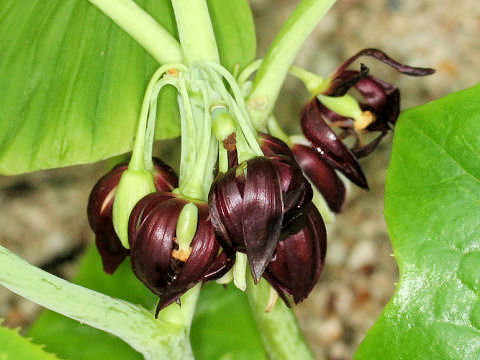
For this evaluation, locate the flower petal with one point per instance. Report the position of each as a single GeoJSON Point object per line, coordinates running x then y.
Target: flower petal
{"type": "Point", "coordinates": [329, 146]}
{"type": "Point", "coordinates": [380, 55]}
{"type": "Point", "coordinates": [99, 211]}
{"type": "Point", "coordinates": [322, 176]}
{"type": "Point", "coordinates": [273, 146]}
{"type": "Point", "coordinates": [152, 246]}
{"type": "Point", "coordinates": [226, 202]}
{"type": "Point", "coordinates": [204, 251]}
{"type": "Point", "coordinates": [299, 260]}
{"type": "Point", "coordinates": [262, 214]}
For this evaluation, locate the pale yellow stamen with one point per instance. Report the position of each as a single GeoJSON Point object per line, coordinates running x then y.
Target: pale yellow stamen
{"type": "Point", "coordinates": [363, 121]}
{"type": "Point", "coordinates": [182, 254]}
{"type": "Point", "coordinates": [272, 300]}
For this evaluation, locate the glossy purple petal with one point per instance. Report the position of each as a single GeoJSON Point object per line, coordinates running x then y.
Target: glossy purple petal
{"type": "Point", "coordinates": [273, 146]}
{"type": "Point", "coordinates": [297, 193]}
{"type": "Point", "coordinates": [328, 144]}
{"type": "Point", "coordinates": [99, 212]}
{"type": "Point", "coordinates": [226, 210]}
{"type": "Point", "coordinates": [142, 210]}
{"type": "Point", "coordinates": [344, 81]}
{"type": "Point", "coordinates": [153, 244]}
{"type": "Point", "coordinates": [380, 55]}
{"type": "Point", "coordinates": [383, 99]}
{"type": "Point", "coordinates": [369, 148]}
{"type": "Point", "coordinates": [322, 175]}
{"type": "Point", "coordinates": [204, 251]}
{"type": "Point", "coordinates": [299, 260]}
{"type": "Point", "coordinates": [262, 214]}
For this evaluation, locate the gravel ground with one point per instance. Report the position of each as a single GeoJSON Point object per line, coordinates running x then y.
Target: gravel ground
{"type": "Point", "coordinates": [43, 214]}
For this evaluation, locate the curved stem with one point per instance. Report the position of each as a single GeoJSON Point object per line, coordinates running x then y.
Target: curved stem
{"type": "Point", "coordinates": [281, 55]}
{"type": "Point", "coordinates": [195, 30]}
{"type": "Point", "coordinates": [138, 161]}
{"type": "Point", "coordinates": [189, 136]}
{"type": "Point", "coordinates": [152, 117]}
{"type": "Point", "coordinates": [135, 325]}
{"type": "Point", "coordinates": [281, 336]}
{"type": "Point", "coordinates": [143, 28]}
{"type": "Point", "coordinates": [312, 82]}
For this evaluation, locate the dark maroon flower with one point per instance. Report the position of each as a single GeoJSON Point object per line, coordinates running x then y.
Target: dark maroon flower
{"type": "Point", "coordinates": [299, 260]}
{"type": "Point", "coordinates": [329, 145]}
{"type": "Point", "coordinates": [100, 206]}
{"type": "Point", "coordinates": [157, 260]}
{"type": "Point", "coordinates": [297, 192]}
{"type": "Point", "coordinates": [246, 210]}
{"type": "Point", "coordinates": [322, 176]}
{"type": "Point", "coordinates": [381, 99]}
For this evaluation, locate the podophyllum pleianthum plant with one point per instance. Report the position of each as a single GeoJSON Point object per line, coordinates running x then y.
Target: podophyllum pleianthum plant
{"type": "Point", "coordinates": [249, 203]}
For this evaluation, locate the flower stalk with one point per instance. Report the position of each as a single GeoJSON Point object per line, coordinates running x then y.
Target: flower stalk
{"type": "Point", "coordinates": [143, 28]}
{"type": "Point", "coordinates": [280, 57]}
{"type": "Point", "coordinates": [195, 30]}
{"type": "Point", "coordinates": [281, 335]}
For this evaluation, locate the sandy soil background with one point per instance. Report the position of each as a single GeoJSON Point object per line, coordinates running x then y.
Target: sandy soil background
{"type": "Point", "coordinates": [43, 214]}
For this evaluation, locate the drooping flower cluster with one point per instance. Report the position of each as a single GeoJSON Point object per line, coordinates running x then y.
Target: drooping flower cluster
{"type": "Point", "coordinates": [240, 192]}
{"type": "Point", "coordinates": [324, 152]}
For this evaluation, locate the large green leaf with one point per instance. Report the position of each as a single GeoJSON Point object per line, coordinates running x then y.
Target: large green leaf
{"type": "Point", "coordinates": [224, 328]}
{"type": "Point", "coordinates": [234, 31]}
{"type": "Point", "coordinates": [71, 81]}
{"type": "Point", "coordinates": [16, 347]}
{"type": "Point", "coordinates": [72, 340]}
{"type": "Point", "coordinates": [433, 217]}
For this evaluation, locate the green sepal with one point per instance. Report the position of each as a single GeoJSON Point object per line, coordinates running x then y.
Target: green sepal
{"type": "Point", "coordinates": [345, 105]}
{"type": "Point", "coordinates": [133, 186]}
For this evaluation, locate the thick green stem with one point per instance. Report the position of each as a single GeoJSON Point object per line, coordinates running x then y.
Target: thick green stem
{"type": "Point", "coordinates": [143, 28]}
{"type": "Point", "coordinates": [280, 57]}
{"type": "Point", "coordinates": [195, 30]}
{"type": "Point", "coordinates": [281, 336]}
{"type": "Point", "coordinates": [135, 325]}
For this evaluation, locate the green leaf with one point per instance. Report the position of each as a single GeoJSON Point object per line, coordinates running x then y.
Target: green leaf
{"type": "Point", "coordinates": [432, 211]}
{"type": "Point", "coordinates": [223, 327]}
{"type": "Point", "coordinates": [16, 347]}
{"type": "Point", "coordinates": [234, 31]}
{"type": "Point", "coordinates": [72, 82]}
{"type": "Point", "coordinates": [72, 340]}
